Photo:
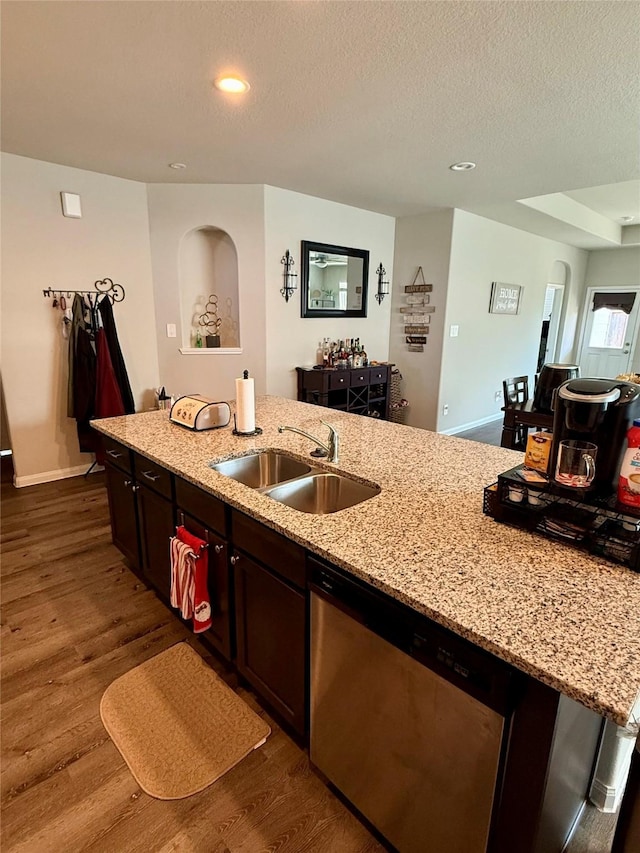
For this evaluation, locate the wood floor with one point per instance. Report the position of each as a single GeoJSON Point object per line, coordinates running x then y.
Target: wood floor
{"type": "Point", "coordinates": [74, 618]}
{"type": "Point", "coordinates": [488, 434]}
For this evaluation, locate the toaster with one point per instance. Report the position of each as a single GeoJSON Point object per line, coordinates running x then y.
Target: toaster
{"type": "Point", "coordinates": [199, 413]}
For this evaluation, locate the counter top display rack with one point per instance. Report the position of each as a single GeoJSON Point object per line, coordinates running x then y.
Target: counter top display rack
{"type": "Point", "coordinates": [594, 523]}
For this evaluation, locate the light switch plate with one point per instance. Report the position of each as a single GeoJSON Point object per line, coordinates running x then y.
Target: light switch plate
{"type": "Point", "coordinates": [71, 205]}
{"type": "Point", "coordinates": [171, 330]}
{"type": "Point", "coordinates": [453, 331]}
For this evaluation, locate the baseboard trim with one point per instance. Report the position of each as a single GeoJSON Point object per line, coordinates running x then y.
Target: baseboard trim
{"type": "Point", "coordinates": [471, 425]}
{"type": "Point", "coordinates": [51, 476]}
{"type": "Point", "coordinates": [604, 797]}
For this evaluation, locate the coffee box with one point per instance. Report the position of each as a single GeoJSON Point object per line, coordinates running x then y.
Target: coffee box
{"type": "Point", "coordinates": [538, 451]}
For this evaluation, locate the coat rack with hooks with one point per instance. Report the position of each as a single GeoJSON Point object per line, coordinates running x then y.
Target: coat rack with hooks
{"type": "Point", "coordinates": [105, 286]}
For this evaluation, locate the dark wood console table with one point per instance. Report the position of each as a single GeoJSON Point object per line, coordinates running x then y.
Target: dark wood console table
{"type": "Point", "coordinates": [360, 390]}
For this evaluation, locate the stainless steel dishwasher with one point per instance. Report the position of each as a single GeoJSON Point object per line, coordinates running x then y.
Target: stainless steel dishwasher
{"type": "Point", "coordinates": [406, 718]}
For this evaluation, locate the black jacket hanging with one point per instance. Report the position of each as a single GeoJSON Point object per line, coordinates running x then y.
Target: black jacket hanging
{"type": "Point", "coordinates": [77, 323]}
{"type": "Point", "coordinates": [84, 389]}
{"type": "Point", "coordinates": [117, 360]}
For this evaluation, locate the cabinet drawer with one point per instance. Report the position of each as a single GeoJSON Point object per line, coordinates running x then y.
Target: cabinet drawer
{"type": "Point", "coordinates": [339, 379]}
{"type": "Point", "coordinates": [201, 505]}
{"type": "Point", "coordinates": [280, 554]}
{"type": "Point", "coordinates": [360, 376]}
{"type": "Point", "coordinates": [153, 475]}
{"type": "Point", "coordinates": [379, 374]}
{"type": "Point", "coordinates": [117, 454]}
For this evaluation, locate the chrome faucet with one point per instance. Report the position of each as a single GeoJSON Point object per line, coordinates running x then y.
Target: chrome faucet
{"type": "Point", "coordinates": [330, 448]}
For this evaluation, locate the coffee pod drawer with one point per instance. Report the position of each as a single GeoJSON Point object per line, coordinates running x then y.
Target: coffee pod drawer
{"type": "Point", "coordinates": [594, 524]}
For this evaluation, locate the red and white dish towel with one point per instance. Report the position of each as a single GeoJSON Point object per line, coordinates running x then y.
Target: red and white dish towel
{"type": "Point", "coordinates": [189, 579]}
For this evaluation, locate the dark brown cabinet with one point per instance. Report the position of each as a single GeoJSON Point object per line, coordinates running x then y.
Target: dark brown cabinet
{"type": "Point", "coordinates": [123, 513]}
{"type": "Point", "coordinates": [359, 390]}
{"type": "Point", "coordinates": [271, 617]}
{"type": "Point", "coordinates": [155, 524]}
{"type": "Point", "coordinates": [205, 516]}
{"type": "Point", "coordinates": [257, 578]}
{"type": "Point", "coordinates": [270, 633]}
{"type": "Point", "coordinates": [154, 493]}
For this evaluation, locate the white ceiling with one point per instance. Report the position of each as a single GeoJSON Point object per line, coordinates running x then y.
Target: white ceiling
{"type": "Point", "coordinates": [365, 103]}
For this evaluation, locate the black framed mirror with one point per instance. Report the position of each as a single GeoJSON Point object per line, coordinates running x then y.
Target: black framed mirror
{"type": "Point", "coordinates": [334, 281]}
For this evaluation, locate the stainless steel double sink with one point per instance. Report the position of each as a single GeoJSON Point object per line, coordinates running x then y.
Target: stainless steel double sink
{"type": "Point", "coordinates": [296, 484]}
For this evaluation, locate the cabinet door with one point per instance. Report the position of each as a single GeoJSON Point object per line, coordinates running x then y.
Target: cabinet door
{"type": "Point", "coordinates": [270, 635]}
{"type": "Point", "coordinates": [219, 634]}
{"type": "Point", "coordinates": [155, 515]}
{"type": "Point", "coordinates": [123, 513]}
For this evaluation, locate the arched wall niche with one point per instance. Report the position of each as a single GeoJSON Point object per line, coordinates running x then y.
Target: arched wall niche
{"type": "Point", "coordinates": [208, 266]}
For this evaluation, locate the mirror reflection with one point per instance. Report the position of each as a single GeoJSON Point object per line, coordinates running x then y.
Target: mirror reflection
{"type": "Point", "coordinates": [334, 280]}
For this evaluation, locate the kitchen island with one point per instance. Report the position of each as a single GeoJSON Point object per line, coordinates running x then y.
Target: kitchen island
{"type": "Point", "coordinates": [568, 620]}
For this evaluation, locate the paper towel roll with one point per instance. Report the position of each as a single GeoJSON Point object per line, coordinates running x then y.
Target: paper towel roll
{"type": "Point", "coordinates": [245, 405]}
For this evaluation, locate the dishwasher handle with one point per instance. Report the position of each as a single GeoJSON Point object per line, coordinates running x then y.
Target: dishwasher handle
{"type": "Point", "coordinates": [367, 608]}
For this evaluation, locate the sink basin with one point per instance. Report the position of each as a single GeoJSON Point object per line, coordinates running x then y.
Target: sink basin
{"type": "Point", "coordinates": [322, 493]}
{"type": "Point", "coordinates": [259, 470]}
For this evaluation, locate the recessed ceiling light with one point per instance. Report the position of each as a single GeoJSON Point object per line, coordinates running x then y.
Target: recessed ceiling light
{"type": "Point", "coordinates": [465, 166]}
{"type": "Point", "coordinates": [177, 165]}
{"type": "Point", "coordinates": [627, 218]}
{"type": "Point", "coordinates": [235, 85]}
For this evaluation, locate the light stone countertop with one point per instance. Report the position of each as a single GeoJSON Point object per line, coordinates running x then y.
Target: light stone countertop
{"type": "Point", "coordinates": [566, 618]}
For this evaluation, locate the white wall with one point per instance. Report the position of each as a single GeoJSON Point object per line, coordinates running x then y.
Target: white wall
{"type": "Point", "coordinates": [615, 268]}
{"type": "Point", "coordinates": [41, 248]}
{"type": "Point", "coordinates": [174, 211]}
{"type": "Point", "coordinates": [291, 340]}
{"type": "Point", "coordinates": [492, 347]}
{"type": "Point", "coordinates": [421, 241]}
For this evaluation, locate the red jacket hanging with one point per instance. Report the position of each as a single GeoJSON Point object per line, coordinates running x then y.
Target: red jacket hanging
{"type": "Point", "coordinates": [108, 397]}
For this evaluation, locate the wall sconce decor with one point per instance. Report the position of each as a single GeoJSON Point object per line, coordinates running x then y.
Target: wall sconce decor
{"type": "Point", "coordinates": [290, 285]}
{"type": "Point", "coordinates": [383, 286]}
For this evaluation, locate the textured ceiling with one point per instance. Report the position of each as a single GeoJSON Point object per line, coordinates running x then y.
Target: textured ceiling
{"type": "Point", "coordinates": [365, 103]}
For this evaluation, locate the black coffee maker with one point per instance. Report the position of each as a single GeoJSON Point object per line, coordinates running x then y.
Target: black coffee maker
{"type": "Point", "coordinates": [600, 411]}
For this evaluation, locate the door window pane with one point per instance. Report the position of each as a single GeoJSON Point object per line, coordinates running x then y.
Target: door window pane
{"type": "Point", "coordinates": [608, 329]}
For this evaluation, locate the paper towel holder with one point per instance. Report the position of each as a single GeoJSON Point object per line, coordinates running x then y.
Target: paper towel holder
{"type": "Point", "coordinates": [256, 430]}
{"type": "Point", "coordinates": [236, 431]}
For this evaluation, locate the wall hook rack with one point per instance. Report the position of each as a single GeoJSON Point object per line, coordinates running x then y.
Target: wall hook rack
{"type": "Point", "coordinates": [105, 286]}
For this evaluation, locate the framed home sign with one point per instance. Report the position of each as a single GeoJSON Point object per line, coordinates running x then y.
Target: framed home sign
{"type": "Point", "coordinates": [505, 298]}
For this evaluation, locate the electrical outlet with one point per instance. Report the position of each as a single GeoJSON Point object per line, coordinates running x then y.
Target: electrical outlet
{"type": "Point", "coordinates": [498, 396]}
{"type": "Point", "coordinates": [445, 409]}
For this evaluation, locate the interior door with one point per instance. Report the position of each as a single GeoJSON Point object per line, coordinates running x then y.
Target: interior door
{"type": "Point", "coordinates": [609, 336]}
{"type": "Point", "coordinates": [557, 293]}
{"type": "Point", "coordinates": [551, 311]}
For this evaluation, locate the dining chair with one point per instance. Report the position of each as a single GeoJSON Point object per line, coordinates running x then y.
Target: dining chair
{"type": "Point", "coordinates": [516, 393]}
{"type": "Point", "coordinates": [515, 390]}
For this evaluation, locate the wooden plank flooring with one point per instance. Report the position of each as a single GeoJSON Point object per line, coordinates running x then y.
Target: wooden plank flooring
{"type": "Point", "coordinates": [74, 618]}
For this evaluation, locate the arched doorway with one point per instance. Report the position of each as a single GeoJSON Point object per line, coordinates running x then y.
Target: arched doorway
{"type": "Point", "coordinates": [552, 314]}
